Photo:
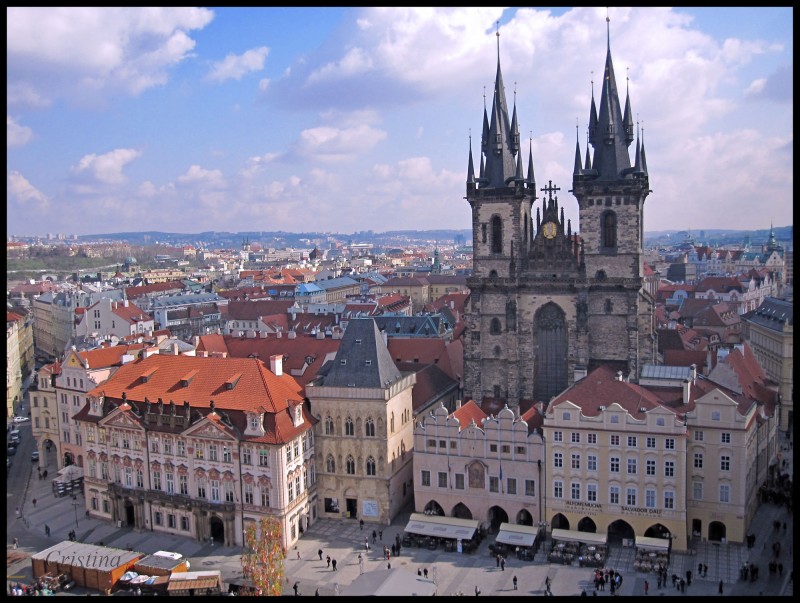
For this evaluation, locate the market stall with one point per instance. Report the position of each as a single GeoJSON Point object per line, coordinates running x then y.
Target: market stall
{"type": "Point", "coordinates": [195, 583]}
{"type": "Point", "coordinates": [569, 545]}
{"type": "Point", "coordinates": [520, 539]}
{"type": "Point", "coordinates": [433, 531]}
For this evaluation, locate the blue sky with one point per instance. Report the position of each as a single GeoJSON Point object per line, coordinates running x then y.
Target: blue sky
{"type": "Point", "coordinates": [347, 119]}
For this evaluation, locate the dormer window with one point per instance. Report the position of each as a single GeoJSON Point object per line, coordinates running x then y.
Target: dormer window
{"type": "Point", "coordinates": [298, 415]}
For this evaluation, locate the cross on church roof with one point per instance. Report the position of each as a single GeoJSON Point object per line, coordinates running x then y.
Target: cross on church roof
{"type": "Point", "coordinates": [550, 189]}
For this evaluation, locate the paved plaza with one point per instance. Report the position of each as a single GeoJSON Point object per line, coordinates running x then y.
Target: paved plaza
{"type": "Point", "coordinates": [452, 573]}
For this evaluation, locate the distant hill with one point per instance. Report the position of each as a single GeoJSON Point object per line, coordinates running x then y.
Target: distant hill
{"type": "Point", "coordinates": [718, 237]}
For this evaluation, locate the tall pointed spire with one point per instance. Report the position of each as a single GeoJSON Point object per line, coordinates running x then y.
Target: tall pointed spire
{"type": "Point", "coordinates": [628, 118]}
{"type": "Point", "coordinates": [644, 158]}
{"type": "Point", "coordinates": [578, 170]}
{"type": "Point", "coordinates": [531, 177]}
{"type": "Point", "coordinates": [593, 118]}
{"type": "Point", "coordinates": [470, 167]}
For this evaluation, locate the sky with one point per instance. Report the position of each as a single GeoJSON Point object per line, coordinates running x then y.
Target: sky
{"type": "Point", "coordinates": [349, 119]}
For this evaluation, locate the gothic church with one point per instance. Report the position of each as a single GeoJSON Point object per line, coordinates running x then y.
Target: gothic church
{"type": "Point", "coordinates": [549, 304]}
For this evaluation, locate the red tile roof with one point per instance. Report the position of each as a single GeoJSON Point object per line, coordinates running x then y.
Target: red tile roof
{"type": "Point", "coordinates": [469, 411]}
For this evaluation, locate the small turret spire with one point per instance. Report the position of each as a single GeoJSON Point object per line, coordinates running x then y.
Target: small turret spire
{"type": "Point", "coordinates": [470, 166]}
{"type": "Point", "coordinates": [578, 170]}
{"type": "Point", "coordinates": [531, 177]}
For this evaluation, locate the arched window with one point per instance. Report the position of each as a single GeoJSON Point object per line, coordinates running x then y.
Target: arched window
{"type": "Point", "coordinates": [391, 424]}
{"type": "Point", "coordinates": [369, 428]}
{"type": "Point", "coordinates": [330, 464]}
{"type": "Point", "coordinates": [609, 225]}
{"type": "Point", "coordinates": [350, 465]}
{"type": "Point", "coordinates": [370, 466]}
{"type": "Point", "coordinates": [497, 235]}
{"type": "Point", "coordinates": [494, 327]}
{"type": "Point", "coordinates": [349, 428]}
{"type": "Point", "coordinates": [329, 426]}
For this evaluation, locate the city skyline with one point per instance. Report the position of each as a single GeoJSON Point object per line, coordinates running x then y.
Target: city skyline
{"type": "Point", "coordinates": [351, 119]}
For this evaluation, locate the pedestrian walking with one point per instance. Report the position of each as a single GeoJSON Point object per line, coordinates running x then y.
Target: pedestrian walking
{"type": "Point", "coordinates": [503, 563]}
{"type": "Point", "coordinates": [497, 559]}
{"type": "Point", "coordinates": [705, 570]}
{"type": "Point", "coordinates": [374, 536]}
{"type": "Point", "coordinates": [328, 559]}
{"type": "Point", "coordinates": [780, 569]}
{"type": "Point", "coordinates": [334, 564]}
{"type": "Point", "coordinates": [34, 503]}
{"type": "Point", "coordinates": [316, 593]}
{"type": "Point", "coordinates": [720, 587]}
{"type": "Point", "coordinates": [47, 530]}
{"type": "Point", "coordinates": [380, 534]}
{"type": "Point", "coordinates": [419, 571]}
{"type": "Point", "coordinates": [296, 588]}
{"type": "Point", "coordinates": [388, 565]}
{"type": "Point", "coordinates": [425, 572]}
{"type": "Point", "coordinates": [688, 577]}
{"type": "Point", "coordinates": [319, 552]}
{"type": "Point", "coordinates": [646, 587]}
{"type": "Point", "coordinates": [477, 590]}
{"type": "Point", "coordinates": [361, 523]}
{"type": "Point", "coordinates": [514, 580]}
{"type": "Point", "coordinates": [16, 542]}
{"type": "Point", "coordinates": [18, 513]}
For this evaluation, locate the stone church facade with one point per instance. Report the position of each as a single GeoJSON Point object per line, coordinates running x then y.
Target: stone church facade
{"type": "Point", "coordinates": [549, 303]}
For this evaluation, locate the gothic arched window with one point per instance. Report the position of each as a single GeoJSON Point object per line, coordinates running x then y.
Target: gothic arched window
{"type": "Point", "coordinates": [329, 426]}
{"type": "Point", "coordinates": [370, 466]}
{"type": "Point", "coordinates": [609, 229]}
{"type": "Point", "coordinates": [330, 464]}
{"type": "Point", "coordinates": [350, 465]}
{"type": "Point", "coordinates": [497, 235]}
{"type": "Point", "coordinates": [494, 327]}
{"type": "Point", "coordinates": [369, 428]}
{"type": "Point", "coordinates": [349, 428]}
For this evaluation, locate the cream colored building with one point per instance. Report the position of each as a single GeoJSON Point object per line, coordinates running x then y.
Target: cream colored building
{"type": "Point", "coordinates": [472, 465]}
{"type": "Point", "coordinates": [365, 432]}
{"type": "Point", "coordinates": [200, 447]}
{"type": "Point", "coordinates": [13, 371]}
{"type": "Point", "coordinates": [44, 415]}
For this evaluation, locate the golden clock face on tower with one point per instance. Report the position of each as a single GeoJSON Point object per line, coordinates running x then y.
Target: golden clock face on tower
{"type": "Point", "coordinates": [549, 229]}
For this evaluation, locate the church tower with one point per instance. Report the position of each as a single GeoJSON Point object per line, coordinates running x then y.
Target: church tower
{"type": "Point", "coordinates": [611, 195]}
{"type": "Point", "coordinates": [548, 304]}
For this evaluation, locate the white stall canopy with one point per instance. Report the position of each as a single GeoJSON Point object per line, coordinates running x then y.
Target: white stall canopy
{"type": "Point", "coordinates": [576, 536]}
{"type": "Point", "coordinates": [516, 535]}
{"type": "Point", "coordinates": [652, 544]}
{"type": "Point", "coordinates": [442, 527]}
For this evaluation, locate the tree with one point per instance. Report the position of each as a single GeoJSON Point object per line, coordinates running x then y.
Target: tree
{"type": "Point", "coordinates": [262, 560]}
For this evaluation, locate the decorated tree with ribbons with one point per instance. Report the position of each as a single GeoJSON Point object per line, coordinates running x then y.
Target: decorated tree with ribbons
{"type": "Point", "coordinates": [262, 559]}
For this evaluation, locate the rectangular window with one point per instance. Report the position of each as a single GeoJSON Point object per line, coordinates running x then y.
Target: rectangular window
{"type": "Point", "coordinates": [651, 442]}
{"type": "Point", "coordinates": [505, 449]}
{"type": "Point", "coordinates": [201, 488]}
{"type": "Point", "coordinates": [181, 448]}
{"type": "Point", "coordinates": [128, 477]}
{"type": "Point", "coordinates": [591, 492]}
{"type": "Point", "coordinates": [289, 454]}
{"type": "Point", "coordinates": [651, 466]}
{"type": "Point", "coordinates": [632, 441]}
{"type": "Point", "coordinates": [575, 437]}
{"type": "Point", "coordinates": [724, 493]}
{"type": "Point", "coordinates": [167, 446]}
{"type": "Point", "coordinates": [198, 452]}
{"type": "Point", "coordinates": [591, 438]}
{"type": "Point", "coordinates": [459, 481]}
{"type": "Point", "coordinates": [613, 495]}
{"type": "Point", "coordinates": [558, 489]}
{"type": "Point", "coordinates": [511, 485]}
{"type": "Point", "coordinates": [183, 481]}
{"type": "Point", "coordinates": [139, 479]}
{"type": "Point", "coordinates": [215, 490]}
{"type": "Point", "coordinates": [442, 479]}
{"type": "Point", "coordinates": [698, 460]}
{"type": "Point", "coordinates": [669, 500]}
{"type": "Point", "coordinates": [426, 478]}
{"type": "Point", "coordinates": [170, 483]}
{"type": "Point", "coordinates": [631, 466]}
{"type": "Point", "coordinates": [558, 436]}
{"type": "Point", "coordinates": [614, 464]}
{"type": "Point", "coordinates": [558, 460]}
{"type": "Point", "coordinates": [530, 487]}
{"type": "Point", "coordinates": [212, 452]}
{"type": "Point", "coordinates": [494, 484]}
{"type": "Point", "coordinates": [698, 436]}
{"type": "Point", "coordinates": [263, 458]}
{"type": "Point", "coordinates": [576, 461]}
{"type": "Point", "coordinates": [518, 449]}
{"type": "Point", "coordinates": [630, 497]}
{"type": "Point", "coordinates": [153, 445]}
{"type": "Point", "coordinates": [575, 491]}
{"type": "Point", "coordinates": [650, 498]}
{"type": "Point", "coordinates": [157, 518]}
{"type": "Point", "coordinates": [171, 520]}
{"type": "Point", "coordinates": [591, 462]}
{"type": "Point", "coordinates": [697, 490]}
{"type": "Point", "coordinates": [669, 468]}
{"type": "Point", "coordinates": [725, 437]}
{"type": "Point", "coordinates": [227, 457]}
{"type": "Point", "coordinates": [614, 440]}
{"type": "Point", "coordinates": [492, 447]}
{"type": "Point", "coordinates": [669, 443]}
{"type": "Point", "coordinates": [248, 494]}
{"type": "Point", "coordinates": [185, 524]}
{"type": "Point", "coordinates": [246, 458]}
{"type": "Point", "coordinates": [229, 491]}
{"type": "Point", "coordinates": [724, 463]}
{"type": "Point", "coordinates": [264, 497]}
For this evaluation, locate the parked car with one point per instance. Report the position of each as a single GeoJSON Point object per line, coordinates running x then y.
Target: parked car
{"type": "Point", "coordinates": [12, 450]}
{"type": "Point", "coordinates": [21, 419]}
{"type": "Point", "coordinates": [35, 455]}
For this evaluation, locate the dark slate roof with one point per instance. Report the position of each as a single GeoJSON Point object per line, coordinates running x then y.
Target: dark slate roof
{"type": "Point", "coordinates": [775, 314]}
{"type": "Point", "coordinates": [363, 360]}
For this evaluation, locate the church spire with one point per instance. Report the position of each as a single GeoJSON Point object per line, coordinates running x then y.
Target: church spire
{"type": "Point", "coordinates": [578, 171]}
{"type": "Point", "coordinates": [531, 178]}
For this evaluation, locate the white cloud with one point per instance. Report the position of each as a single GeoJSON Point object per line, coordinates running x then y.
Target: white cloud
{"type": "Point", "coordinates": [197, 176]}
{"type": "Point", "coordinates": [234, 67]}
{"type": "Point", "coordinates": [19, 189]}
{"type": "Point", "coordinates": [16, 135]}
{"type": "Point", "coordinates": [76, 52]}
{"type": "Point", "coordinates": [327, 143]}
{"type": "Point", "coordinates": [107, 168]}
{"type": "Point", "coordinates": [355, 62]}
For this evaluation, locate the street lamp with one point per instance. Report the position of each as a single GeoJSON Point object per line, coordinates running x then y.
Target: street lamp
{"type": "Point", "coordinates": [75, 505]}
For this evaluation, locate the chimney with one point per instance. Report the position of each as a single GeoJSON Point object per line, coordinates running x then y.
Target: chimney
{"type": "Point", "coordinates": [175, 349]}
{"type": "Point", "coordinates": [125, 302]}
{"type": "Point", "coordinates": [276, 364]}
{"type": "Point", "coordinates": [619, 375]}
{"type": "Point", "coordinates": [693, 372]}
{"type": "Point", "coordinates": [458, 403]}
{"type": "Point", "coordinates": [686, 388]}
